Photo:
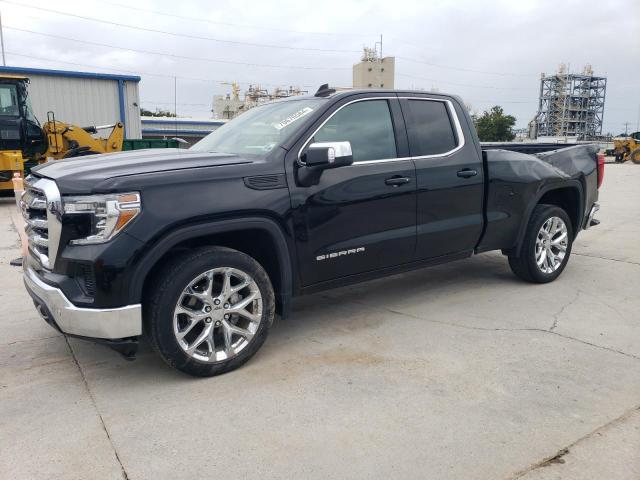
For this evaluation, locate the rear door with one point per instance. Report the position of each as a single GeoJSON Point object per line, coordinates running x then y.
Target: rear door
{"type": "Point", "coordinates": [450, 181]}
{"type": "Point", "coordinates": [360, 217]}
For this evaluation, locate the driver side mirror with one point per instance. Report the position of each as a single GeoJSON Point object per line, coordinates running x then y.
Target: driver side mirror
{"type": "Point", "coordinates": [321, 156]}
{"type": "Point", "coordinates": [326, 155]}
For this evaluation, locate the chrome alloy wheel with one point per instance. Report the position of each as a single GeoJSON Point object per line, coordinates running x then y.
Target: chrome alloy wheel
{"type": "Point", "coordinates": [217, 314]}
{"type": "Point", "coordinates": [551, 245]}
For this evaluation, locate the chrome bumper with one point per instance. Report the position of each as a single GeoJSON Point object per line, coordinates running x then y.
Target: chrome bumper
{"type": "Point", "coordinates": [111, 323]}
{"type": "Point", "coordinates": [591, 221]}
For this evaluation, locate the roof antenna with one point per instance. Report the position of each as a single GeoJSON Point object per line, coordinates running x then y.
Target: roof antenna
{"type": "Point", "coordinates": [324, 91]}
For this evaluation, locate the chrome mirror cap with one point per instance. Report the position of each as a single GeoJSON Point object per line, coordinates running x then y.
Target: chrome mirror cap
{"type": "Point", "coordinates": [334, 149]}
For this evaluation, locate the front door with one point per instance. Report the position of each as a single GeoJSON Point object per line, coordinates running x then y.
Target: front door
{"type": "Point", "coordinates": [360, 217]}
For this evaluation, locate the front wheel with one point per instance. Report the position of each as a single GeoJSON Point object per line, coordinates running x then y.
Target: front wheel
{"type": "Point", "coordinates": [546, 246]}
{"type": "Point", "coordinates": [209, 310]}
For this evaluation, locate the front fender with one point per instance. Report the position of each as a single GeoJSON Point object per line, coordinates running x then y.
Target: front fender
{"type": "Point", "coordinates": [189, 232]}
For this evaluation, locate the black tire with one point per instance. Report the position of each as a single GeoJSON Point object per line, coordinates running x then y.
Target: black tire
{"type": "Point", "coordinates": [524, 265]}
{"type": "Point", "coordinates": [164, 293]}
{"type": "Point", "coordinates": [620, 158]}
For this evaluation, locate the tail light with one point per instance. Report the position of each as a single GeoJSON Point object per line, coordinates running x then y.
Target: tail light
{"type": "Point", "coordinates": [600, 169]}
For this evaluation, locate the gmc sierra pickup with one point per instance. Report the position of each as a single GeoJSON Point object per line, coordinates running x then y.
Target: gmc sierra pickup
{"type": "Point", "coordinates": [199, 249]}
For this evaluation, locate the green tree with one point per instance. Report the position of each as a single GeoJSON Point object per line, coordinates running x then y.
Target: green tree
{"type": "Point", "coordinates": [494, 125]}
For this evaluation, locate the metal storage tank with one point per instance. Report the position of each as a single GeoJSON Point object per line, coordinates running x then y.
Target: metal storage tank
{"type": "Point", "coordinates": [84, 98]}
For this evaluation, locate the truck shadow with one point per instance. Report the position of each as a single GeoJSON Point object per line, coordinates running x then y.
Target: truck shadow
{"type": "Point", "coordinates": [489, 273]}
{"type": "Point", "coordinates": [354, 309]}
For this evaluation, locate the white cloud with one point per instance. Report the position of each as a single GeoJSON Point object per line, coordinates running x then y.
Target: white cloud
{"type": "Point", "coordinates": [517, 38]}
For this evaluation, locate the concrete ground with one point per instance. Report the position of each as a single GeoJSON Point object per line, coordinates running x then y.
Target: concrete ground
{"type": "Point", "coordinates": [455, 372]}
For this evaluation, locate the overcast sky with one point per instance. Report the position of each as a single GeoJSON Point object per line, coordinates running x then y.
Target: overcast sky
{"type": "Point", "coordinates": [488, 52]}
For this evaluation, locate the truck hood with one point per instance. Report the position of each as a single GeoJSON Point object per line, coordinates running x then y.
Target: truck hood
{"type": "Point", "coordinates": [82, 173]}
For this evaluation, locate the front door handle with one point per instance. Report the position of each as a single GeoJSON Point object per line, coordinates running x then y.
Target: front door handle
{"type": "Point", "coordinates": [397, 181]}
{"type": "Point", "coordinates": [467, 173]}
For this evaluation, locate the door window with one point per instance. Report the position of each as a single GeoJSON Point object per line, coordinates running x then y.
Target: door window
{"type": "Point", "coordinates": [430, 129]}
{"type": "Point", "coordinates": [9, 100]}
{"type": "Point", "coordinates": [367, 125]}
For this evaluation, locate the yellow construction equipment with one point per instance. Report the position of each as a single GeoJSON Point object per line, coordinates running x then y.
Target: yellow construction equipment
{"type": "Point", "coordinates": [627, 148]}
{"type": "Point", "coordinates": [24, 142]}
{"type": "Point", "coordinates": [65, 140]}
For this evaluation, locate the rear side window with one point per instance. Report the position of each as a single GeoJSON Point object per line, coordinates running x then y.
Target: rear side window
{"type": "Point", "coordinates": [367, 125]}
{"type": "Point", "coordinates": [430, 128]}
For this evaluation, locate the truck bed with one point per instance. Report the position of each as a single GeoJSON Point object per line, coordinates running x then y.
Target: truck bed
{"type": "Point", "coordinates": [516, 182]}
{"type": "Point", "coordinates": [529, 148]}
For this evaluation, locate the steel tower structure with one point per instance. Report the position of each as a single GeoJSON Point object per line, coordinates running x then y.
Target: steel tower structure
{"type": "Point", "coordinates": [571, 105]}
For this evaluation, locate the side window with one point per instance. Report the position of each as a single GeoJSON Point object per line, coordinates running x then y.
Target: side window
{"type": "Point", "coordinates": [367, 125]}
{"type": "Point", "coordinates": [9, 100]}
{"type": "Point", "coordinates": [430, 128]}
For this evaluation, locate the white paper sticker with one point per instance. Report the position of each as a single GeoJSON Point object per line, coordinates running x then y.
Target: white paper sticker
{"type": "Point", "coordinates": [292, 118]}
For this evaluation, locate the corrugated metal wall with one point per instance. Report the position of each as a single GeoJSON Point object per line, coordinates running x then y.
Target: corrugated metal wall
{"type": "Point", "coordinates": [132, 110]}
{"type": "Point", "coordinates": [85, 101]}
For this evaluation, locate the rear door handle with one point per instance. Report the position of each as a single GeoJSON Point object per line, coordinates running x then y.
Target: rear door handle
{"type": "Point", "coordinates": [467, 173]}
{"type": "Point", "coordinates": [397, 181]}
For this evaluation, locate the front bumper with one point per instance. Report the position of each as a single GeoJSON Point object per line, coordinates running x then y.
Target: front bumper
{"type": "Point", "coordinates": [99, 323]}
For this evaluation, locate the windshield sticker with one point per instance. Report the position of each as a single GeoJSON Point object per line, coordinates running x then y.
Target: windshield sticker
{"type": "Point", "coordinates": [292, 118]}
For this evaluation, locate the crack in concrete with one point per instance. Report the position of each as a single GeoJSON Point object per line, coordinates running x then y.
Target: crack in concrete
{"type": "Point", "coordinates": [556, 316]}
{"type": "Point", "coordinates": [125, 476]}
{"type": "Point", "coordinates": [626, 354]}
{"type": "Point", "coordinates": [605, 258]}
{"type": "Point", "coordinates": [556, 457]}
{"type": "Point", "coordinates": [502, 329]}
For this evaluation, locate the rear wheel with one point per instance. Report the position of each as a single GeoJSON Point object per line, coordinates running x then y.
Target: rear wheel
{"type": "Point", "coordinates": [546, 246]}
{"type": "Point", "coordinates": [210, 311]}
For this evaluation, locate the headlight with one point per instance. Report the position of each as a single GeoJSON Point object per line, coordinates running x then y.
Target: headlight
{"type": "Point", "coordinates": [107, 214]}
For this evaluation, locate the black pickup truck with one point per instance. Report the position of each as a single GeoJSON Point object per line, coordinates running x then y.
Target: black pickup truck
{"type": "Point", "coordinates": [199, 249]}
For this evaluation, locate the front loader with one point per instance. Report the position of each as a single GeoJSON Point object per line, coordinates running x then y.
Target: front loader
{"type": "Point", "coordinates": [627, 148]}
{"type": "Point", "coordinates": [23, 142]}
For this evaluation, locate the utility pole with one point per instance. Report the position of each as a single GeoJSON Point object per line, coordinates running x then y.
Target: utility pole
{"type": "Point", "coordinates": [626, 129]}
{"type": "Point", "coordinates": [175, 102]}
{"type": "Point", "coordinates": [4, 62]}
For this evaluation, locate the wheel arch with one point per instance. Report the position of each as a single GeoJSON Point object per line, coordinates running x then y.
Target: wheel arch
{"type": "Point", "coordinates": [568, 196]}
{"type": "Point", "coordinates": [256, 236]}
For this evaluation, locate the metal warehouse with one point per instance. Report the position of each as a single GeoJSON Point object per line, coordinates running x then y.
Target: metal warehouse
{"type": "Point", "coordinates": [83, 98]}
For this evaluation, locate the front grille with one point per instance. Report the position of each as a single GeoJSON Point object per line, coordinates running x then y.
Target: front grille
{"type": "Point", "coordinates": [40, 205]}
{"type": "Point", "coordinates": [34, 211]}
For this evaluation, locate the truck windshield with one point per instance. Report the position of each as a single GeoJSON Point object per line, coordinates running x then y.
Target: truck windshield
{"type": "Point", "coordinates": [260, 129]}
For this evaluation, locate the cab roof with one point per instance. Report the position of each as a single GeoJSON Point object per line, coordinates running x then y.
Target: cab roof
{"type": "Point", "coordinates": [8, 76]}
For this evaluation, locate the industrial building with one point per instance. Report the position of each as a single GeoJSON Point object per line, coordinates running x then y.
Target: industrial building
{"type": "Point", "coordinates": [373, 71]}
{"type": "Point", "coordinates": [571, 105]}
{"type": "Point", "coordinates": [231, 105]}
{"type": "Point", "coordinates": [83, 98]}
{"type": "Point", "coordinates": [190, 130]}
